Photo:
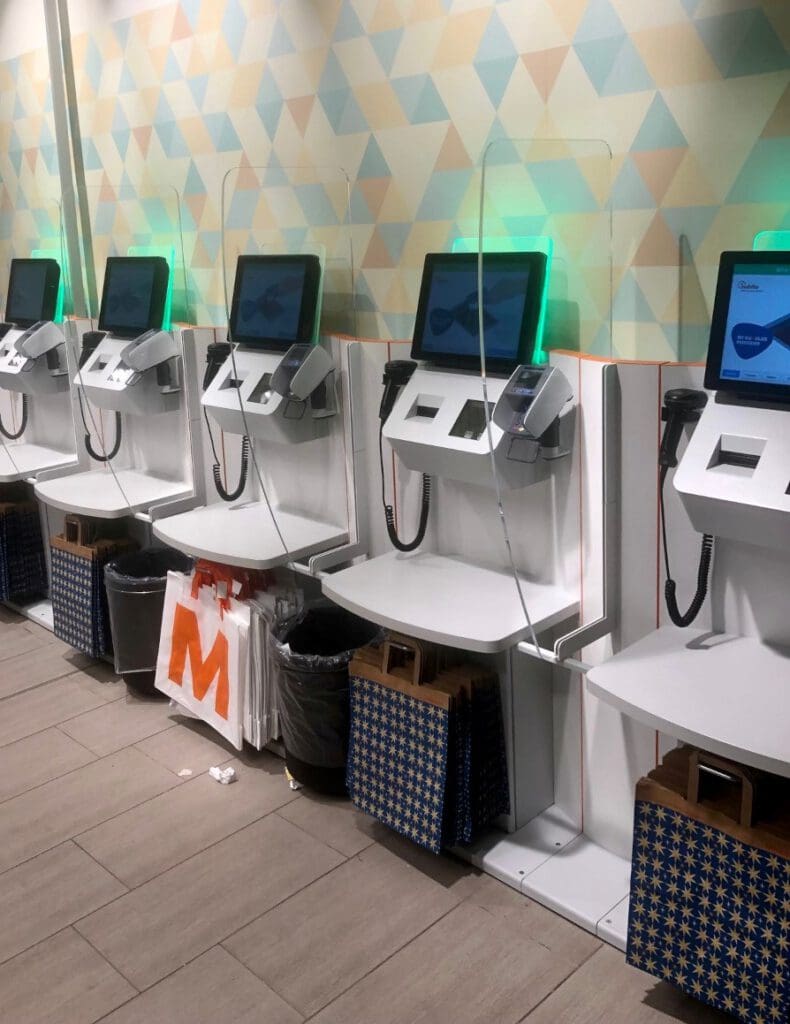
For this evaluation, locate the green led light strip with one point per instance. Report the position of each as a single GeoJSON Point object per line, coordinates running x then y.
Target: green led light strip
{"type": "Point", "coordinates": [520, 243]}
{"type": "Point", "coordinates": [770, 241]}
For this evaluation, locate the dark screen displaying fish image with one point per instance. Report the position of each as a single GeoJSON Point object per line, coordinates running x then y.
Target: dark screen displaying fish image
{"type": "Point", "coordinates": [270, 300]}
{"type": "Point", "coordinates": [127, 297]}
{"type": "Point", "coordinates": [452, 322]}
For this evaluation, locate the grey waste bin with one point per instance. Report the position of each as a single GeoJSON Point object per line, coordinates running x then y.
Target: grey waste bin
{"type": "Point", "coordinates": [312, 653]}
{"type": "Point", "coordinates": [135, 586]}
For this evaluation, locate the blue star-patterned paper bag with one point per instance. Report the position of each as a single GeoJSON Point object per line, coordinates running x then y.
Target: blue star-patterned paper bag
{"type": "Point", "coordinates": [23, 564]}
{"type": "Point", "coordinates": [710, 896]}
{"type": "Point", "coordinates": [427, 760]}
{"type": "Point", "coordinates": [397, 756]}
{"type": "Point", "coordinates": [79, 600]}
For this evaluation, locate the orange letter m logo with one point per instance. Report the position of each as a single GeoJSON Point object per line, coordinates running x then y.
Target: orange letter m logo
{"type": "Point", "coordinates": [186, 643]}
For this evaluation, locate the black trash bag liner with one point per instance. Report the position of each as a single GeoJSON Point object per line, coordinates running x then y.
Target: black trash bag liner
{"type": "Point", "coordinates": [312, 652]}
{"type": "Point", "coordinates": [135, 584]}
{"type": "Point", "coordinates": [139, 571]}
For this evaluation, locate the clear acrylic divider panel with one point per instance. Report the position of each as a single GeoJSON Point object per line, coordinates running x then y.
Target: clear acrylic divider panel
{"type": "Point", "coordinates": [132, 220]}
{"type": "Point", "coordinates": [297, 210]}
{"type": "Point", "coordinates": [32, 225]}
{"type": "Point", "coordinates": [554, 196]}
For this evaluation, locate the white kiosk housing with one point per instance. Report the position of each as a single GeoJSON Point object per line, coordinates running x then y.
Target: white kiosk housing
{"type": "Point", "coordinates": [290, 399]}
{"type": "Point", "coordinates": [36, 364]}
{"type": "Point", "coordinates": [727, 689]}
{"type": "Point", "coordinates": [146, 378]}
{"type": "Point", "coordinates": [280, 407]}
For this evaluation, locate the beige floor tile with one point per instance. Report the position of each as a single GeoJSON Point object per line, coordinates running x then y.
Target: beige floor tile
{"type": "Point", "coordinates": [559, 936]}
{"type": "Point", "coordinates": [335, 821]}
{"type": "Point", "coordinates": [19, 641]}
{"type": "Point", "coordinates": [60, 981]}
{"type": "Point", "coordinates": [99, 678]}
{"type": "Point", "coordinates": [46, 636]}
{"type": "Point", "coordinates": [169, 829]}
{"type": "Point", "coordinates": [214, 989]}
{"type": "Point", "coordinates": [182, 913]}
{"type": "Point", "coordinates": [65, 807]}
{"type": "Point", "coordinates": [45, 894]}
{"type": "Point", "coordinates": [607, 991]}
{"type": "Point", "coordinates": [192, 745]}
{"type": "Point", "coordinates": [35, 667]}
{"type": "Point", "coordinates": [325, 938]}
{"type": "Point", "coordinates": [477, 965]}
{"type": "Point", "coordinates": [37, 759]}
{"type": "Point", "coordinates": [119, 724]}
{"type": "Point", "coordinates": [28, 713]}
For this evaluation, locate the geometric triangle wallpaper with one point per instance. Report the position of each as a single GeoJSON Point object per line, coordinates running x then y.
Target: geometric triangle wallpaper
{"type": "Point", "coordinates": [692, 97]}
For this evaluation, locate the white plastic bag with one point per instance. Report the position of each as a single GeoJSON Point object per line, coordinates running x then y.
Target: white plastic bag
{"type": "Point", "coordinates": [202, 662]}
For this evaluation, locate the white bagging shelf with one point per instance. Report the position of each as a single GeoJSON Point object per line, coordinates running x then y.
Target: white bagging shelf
{"type": "Point", "coordinates": [22, 461]}
{"type": "Point", "coordinates": [245, 534]}
{"type": "Point", "coordinates": [447, 600]}
{"type": "Point", "coordinates": [727, 694]}
{"type": "Point", "coordinates": [96, 493]}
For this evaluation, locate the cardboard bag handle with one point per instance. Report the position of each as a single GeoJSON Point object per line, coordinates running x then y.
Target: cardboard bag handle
{"type": "Point", "coordinates": [729, 772]}
{"type": "Point", "coordinates": [396, 642]}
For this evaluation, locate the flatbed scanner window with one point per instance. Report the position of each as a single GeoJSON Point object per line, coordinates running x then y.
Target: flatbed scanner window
{"type": "Point", "coordinates": [472, 421]}
{"type": "Point", "coordinates": [262, 391]}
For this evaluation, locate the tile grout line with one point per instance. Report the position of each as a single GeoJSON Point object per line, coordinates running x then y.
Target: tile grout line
{"type": "Point", "coordinates": [52, 725]}
{"type": "Point", "coordinates": [384, 961]}
{"type": "Point", "coordinates": [67, 927]}
{"type": "Point", "coordinates": [112, 966]}
{"type": "Point", "coordinates": [559, 984]}
{"type": "Point", "coordinates": [48, 938]}
{"type": "Point", "coordinates": [37, 686]}
{"type": "Point", "coordinates": [104, 867]}
{"type": "Point", "coordinates": [217, 942]}
{"type": "Point", "coordinates": [73, 838]}
{"type": "Point", "coordinates": [200, 852]}
{"type": "Point", "coordinates": [117, 750]}
{"type": "Point", "coordinates": [88, 764]}
{"type": "Point", "coordinates": [314, 837]}
{"type": "Point", "coordinates": [257, 977]}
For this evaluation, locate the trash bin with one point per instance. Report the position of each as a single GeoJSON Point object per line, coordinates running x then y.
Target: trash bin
{"type": "Point", "coordinates": [311, 654]}
{"type": "Point", "coordinates": [135, 586]}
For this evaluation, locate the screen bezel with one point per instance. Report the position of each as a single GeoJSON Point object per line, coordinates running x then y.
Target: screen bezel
{"type": "Point", "coordinates": [307, 313]}
{"type": "Point", "coordinates": [533, 262]}
{"type": "Point", "coordinates": [156, 308]}
{"type": "Point", "coordinates": [718, 329]}
{"type": "Point", "coordinates": [51, 286]}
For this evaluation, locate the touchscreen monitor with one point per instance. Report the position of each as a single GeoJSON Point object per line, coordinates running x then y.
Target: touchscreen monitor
{"type": "Point", "coordinates": [134, 294]}
{"type": "Point", "coordinates": [32, 291]}
{"type": "Point", "coordinates": [447, 330]}
{"type": "Point", "coordinates": [749, 352]}
{"type": "Point", "coordinates": [275, 301]}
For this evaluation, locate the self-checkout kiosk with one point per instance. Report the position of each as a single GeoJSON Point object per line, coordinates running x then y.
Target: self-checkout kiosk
{"type": "Point", "coordinates": [35, 371]}
{"type": "Point", "coordinates": [726, 689]}
{"type": "Point", "coordinates": [453, 582]}
{"type": "Point", "coordinates": [284, 395]}
{"type": "Point", "coordinates": [137, 394]}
